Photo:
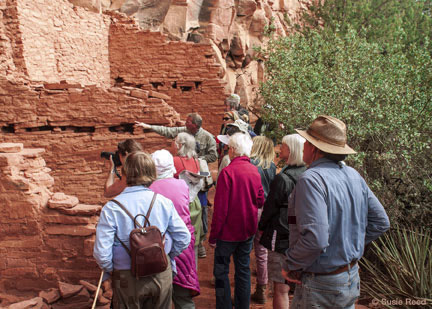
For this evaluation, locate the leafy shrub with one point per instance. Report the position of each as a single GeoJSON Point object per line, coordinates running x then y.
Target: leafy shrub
{"type": "Point", "coordinates": [381, 87]}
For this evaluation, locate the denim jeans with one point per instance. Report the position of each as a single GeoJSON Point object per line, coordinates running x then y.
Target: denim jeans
{"type": "Point", "coordinates": [331, 291]}
{"type": "Point", "coordinates": [202, 195]}
{"type": "Point", "coordinates": [240, 251]}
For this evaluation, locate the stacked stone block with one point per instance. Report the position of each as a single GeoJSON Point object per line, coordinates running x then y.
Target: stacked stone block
{"type": "Point", "coordinates": [61, 41]}
{"type": "Point", "coordinates": [187, 72]}
{"type": "Point", "coordinates": [74, 113]}
{"type": "Point", "coordinates": [44, 237]}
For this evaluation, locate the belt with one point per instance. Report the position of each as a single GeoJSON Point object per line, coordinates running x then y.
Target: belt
{"type": "Point", "coordinates": [337, 271]}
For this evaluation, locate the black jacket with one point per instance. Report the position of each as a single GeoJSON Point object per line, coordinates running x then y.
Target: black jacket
{"type": "Point", "coordinates": [274, 216]}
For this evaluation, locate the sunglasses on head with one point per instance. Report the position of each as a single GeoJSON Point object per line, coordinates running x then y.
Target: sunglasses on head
{"type": "Point", "coordinates": [226, 118]}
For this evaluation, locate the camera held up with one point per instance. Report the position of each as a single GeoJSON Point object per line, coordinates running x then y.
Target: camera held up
{"type": "Point", "coordinates": [115, 157]}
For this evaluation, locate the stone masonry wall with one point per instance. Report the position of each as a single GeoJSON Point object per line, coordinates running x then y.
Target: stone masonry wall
{"type": "Point", "coordinates": [63, 42]}
{"type": "Point", "coordinates": [187, 72]}
{"type": "Point", "coordinates": [12, 65]}
{"type": "Point", "coordinates": [44, 237]}
{"type": "Point", "coordinates": [75, 124]}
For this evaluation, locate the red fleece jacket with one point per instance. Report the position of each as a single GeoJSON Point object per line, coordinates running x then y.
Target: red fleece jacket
{"type": "Point", "coordinates": [239, 194]}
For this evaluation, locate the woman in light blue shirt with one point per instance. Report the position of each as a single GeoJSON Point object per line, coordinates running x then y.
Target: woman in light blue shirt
{"type": "Point", "coordinates": [147, 292]}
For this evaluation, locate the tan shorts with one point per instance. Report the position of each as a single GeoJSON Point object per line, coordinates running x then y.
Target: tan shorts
{"type": "Point", "coordinates": [275, 261]}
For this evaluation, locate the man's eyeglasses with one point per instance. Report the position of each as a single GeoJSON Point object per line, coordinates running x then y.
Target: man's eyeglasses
{"type": "Point", "coordinates": [226, 118]}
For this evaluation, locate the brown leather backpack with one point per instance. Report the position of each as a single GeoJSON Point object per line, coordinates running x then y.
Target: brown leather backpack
{"type": "Point", "coordinates": [146, 246]}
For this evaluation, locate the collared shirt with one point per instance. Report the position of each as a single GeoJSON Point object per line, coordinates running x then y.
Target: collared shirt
{"type": "Point", "coordinates": [239, 194]}
{"type": "Point", "coordinates": [108, 251]}
{"type": "Point", "coordinates": [204, 138]}
{"type": "Point", "coordinates": [335, 215]}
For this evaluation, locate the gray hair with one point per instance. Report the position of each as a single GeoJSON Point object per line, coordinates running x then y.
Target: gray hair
{"type": "Point", "coordinates": [234, 101]}
{"type": "Point", "coordinates": [295, 144]}
{"type": "Point", "coordinates": [196, 119]}
{"type": "Point", "coordinates": [186, 145]}
{"type": "Point", "coordinates": [241, 143]}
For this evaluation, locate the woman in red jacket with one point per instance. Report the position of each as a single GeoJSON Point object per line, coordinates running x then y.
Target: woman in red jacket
{"type": "Point", "coordinates": [239, 194]}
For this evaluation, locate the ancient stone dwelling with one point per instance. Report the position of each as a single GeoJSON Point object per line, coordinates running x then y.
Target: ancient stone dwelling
{"type": "Point", "coordinates": [72, 83]}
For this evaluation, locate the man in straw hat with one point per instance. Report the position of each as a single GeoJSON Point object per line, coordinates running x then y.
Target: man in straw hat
{"type": "Point", "coordinates": [332, 214]}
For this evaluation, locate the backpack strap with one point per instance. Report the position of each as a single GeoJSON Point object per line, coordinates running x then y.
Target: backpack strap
{"type": "Point", "coordinates": [129, 214]}
{"type": "Point", "coordinates": [149, 211]}
{"type": "Point", "coordinates": [124, 209]}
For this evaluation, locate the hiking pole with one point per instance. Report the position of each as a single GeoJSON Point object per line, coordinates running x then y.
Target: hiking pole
{"type": "Point", "coordinates": [97, 290]}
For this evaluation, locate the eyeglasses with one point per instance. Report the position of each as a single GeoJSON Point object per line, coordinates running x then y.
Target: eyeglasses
{"type": "Point", "coordinates": [226, 118]}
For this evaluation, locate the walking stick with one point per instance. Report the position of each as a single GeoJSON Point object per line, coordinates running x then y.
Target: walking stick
{"type": "Point", "coordinates": [97, 291]}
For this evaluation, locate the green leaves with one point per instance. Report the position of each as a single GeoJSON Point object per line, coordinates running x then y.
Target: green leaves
{"type": "Point", "coordinates": [371, 67]}
{"type": "Point", "coordinates": [401, 266]}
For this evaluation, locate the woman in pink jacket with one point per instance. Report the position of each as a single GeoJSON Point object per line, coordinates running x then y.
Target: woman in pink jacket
{"type": "Point", "coordinates": [185, 281]}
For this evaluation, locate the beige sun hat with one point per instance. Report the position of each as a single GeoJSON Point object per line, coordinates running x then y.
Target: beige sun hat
{"type": "Point", "coordinates": [328, 134]}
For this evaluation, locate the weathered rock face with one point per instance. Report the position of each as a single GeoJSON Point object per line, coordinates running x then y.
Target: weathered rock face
{"type": "Point", "coordinates": [83, 97]}
{"type": "Point", "coordinates": [235, 27]}
{"type": "Point", "coordinates": [38, 245]}
{"type": "Point", "coordinates": [150, 13]}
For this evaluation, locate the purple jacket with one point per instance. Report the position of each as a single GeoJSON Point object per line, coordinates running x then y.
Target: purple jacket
{"type": "Point", "coordinates": [178, 192]}
{"type": "Point", "coordinates": [239, 194]}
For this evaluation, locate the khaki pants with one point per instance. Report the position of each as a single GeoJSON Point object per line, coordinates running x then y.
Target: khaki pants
{"type": "Point", "coordinates": [182, 298]}
{"type": "Point", "coordinates": [148, 292]}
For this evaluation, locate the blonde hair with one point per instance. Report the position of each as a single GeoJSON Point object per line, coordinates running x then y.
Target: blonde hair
{"type": "Point", "coordinates": [295, 144]}
{"type": "Point", "coordinates": [232, 115]}
{"type": "Point", "coordinates": [245, 118]}
{"type": "Point", "coordinates": [139, 169]}
{"type": "Point", "coordinates": [263, 151]}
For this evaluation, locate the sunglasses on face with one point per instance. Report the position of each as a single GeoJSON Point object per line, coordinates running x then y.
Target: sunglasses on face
{"type": "Point", "coordinates": [226, 118]}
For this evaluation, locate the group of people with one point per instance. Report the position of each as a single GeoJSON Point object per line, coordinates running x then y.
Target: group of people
{"type": "Point", "coordinates": [308, 224]}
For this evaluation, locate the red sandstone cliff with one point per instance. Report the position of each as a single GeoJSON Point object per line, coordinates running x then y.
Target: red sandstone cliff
{"type": "Point", "coordinates": [73, 82]}
{"type": "Point", "coordinates": [233, 28]}
{"type": "Point", "coordinates": [44, 236]}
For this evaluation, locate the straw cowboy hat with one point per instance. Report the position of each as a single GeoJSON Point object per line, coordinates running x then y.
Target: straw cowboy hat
{"type": "Point", "coordinates": [328, 134]}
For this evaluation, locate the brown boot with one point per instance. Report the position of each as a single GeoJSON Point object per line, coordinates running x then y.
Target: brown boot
{"type": "Point", "coordinates": [260, 294]}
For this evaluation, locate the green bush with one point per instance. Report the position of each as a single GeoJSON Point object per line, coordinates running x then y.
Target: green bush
{"type": "Point", "coordinates": [379, 85]}
{"type": "Point", "coordinates": [401, 265]}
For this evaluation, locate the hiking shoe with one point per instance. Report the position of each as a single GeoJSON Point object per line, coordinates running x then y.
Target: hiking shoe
{"type": "Point", "coordinates": [201, 251]}
{"type": "Point", "coordinates": [260, 294]}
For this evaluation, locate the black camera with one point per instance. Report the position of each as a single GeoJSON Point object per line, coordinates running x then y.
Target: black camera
{"type": "Point", "coordinates": [115, 157]}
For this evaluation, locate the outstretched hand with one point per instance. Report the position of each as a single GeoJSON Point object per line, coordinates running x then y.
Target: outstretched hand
{"type": "Point", "coordinates": [141, 125]}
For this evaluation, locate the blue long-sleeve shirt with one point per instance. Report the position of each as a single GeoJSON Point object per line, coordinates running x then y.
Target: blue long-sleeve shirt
{"type": "Point", "coordinates": [333, 214]}
{"type": "Point", "coordinates": [108, 251]}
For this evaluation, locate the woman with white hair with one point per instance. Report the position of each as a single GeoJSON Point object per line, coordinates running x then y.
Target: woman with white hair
{"type": "Point", "coordinates": [183, 149]}
{"type": "Point", "coordinates": [274, 219]}
{"type": "Point", "coordinates": [185, 158]}
{"type": "Point", "coordinates": [239, 194]}
{"type": "Point", "coordinates": [185, 282]}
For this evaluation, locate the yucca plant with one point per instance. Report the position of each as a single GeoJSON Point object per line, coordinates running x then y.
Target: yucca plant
{"type": "Point", "coordinates": [398, 272]}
